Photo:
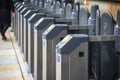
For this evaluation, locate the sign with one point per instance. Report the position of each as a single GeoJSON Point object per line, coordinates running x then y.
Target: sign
{"type": "Point", "coordinates": [44, 42]}
{"type": "Point", "coordinates": [35, 31]}
{"type": "Point", "coordinates": [58, 58]}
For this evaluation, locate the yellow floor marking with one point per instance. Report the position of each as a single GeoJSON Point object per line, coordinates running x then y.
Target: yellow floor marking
{"type": "Point", "coordinates": [26, 78]}
{"type": "Point", "coordinates": [20, 58]}
{"type": "Point", "coordinates": [14, 78]}
{"type": "Point", "coordinates": [14, 40]}
{"type": "Point", "coordinates": [9, 67]}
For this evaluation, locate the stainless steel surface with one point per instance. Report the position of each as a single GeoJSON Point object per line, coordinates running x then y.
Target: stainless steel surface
{"type": "Point", "coordinates": [51, 37]}
{"type": "Point", "coordinates": [72, 64]}
{"type": "Point", "coordinates": [40, 26]}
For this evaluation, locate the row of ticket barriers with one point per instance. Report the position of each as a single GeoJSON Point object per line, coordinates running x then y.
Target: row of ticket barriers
{"type": "Point", "coordinates": [67, 42]}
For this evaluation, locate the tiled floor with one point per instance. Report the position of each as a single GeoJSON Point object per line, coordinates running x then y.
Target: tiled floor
{"type": "Point", "coordinates": [12, 66]}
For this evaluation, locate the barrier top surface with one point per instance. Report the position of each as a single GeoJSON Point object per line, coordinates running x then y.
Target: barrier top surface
{"type": "Point", "coordinates": [54, 30]}
{"type": "Point", "coordinates": [70, 42]}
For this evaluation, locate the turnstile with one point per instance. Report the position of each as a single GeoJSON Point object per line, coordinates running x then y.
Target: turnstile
{"type": "Point", "coordinates": [31, 21]}
{"type": "Point", "coordinates": [49, 74]}
{"type": "Point", "coordinates": [54, 34]}
{"type": "Point", "coordinates": [22, 26]}
{"type": "Point", "coordinates": [72, 58]}
{"type": "Point", "coordinates": [28, 14]}
{"type": "Point", "coordinates": [13, 18]}
{"type": "Point", "coordinates": [39, 27]}
{"type": "Point", "coordinates": [103, 58]}
{"type": "Point", "coordinates": [16, 18]}
{"type": "Point", "coordinates": [19, 24]}
{"type": "Point", "coordinates": [25, 10]}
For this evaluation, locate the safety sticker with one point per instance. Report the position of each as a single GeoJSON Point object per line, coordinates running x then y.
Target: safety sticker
{"type": "Point", "coordinates": [57, 58]}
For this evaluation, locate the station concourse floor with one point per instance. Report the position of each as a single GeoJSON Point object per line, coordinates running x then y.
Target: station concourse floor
{"type": "Point", "coordinates": [12, 65]}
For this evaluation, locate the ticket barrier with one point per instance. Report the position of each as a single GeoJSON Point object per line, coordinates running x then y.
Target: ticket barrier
{"type": "Point", "coordinates": [103, 58]}
{"type": "Point", "coordinates": [22, 26]}
{"type": "Point", "coordinates": [31, 21]}
{"type": "Point", "coordinates": [106, 56]}
{"type": "Point", "coordinates": [49, 71]}
{"type": "Point", "coordinates": [16, 20]}
{"type": "Point", "coordinates": [18, 5]}
{"type": "Point", "coordinates": [60, 21]}
{"type": "Point", "coordinates": [13, 18]}
{"type": "Point", "coordinates": [20, 23]}
{"type": "Point", "coordinates": [41, 26]}
{"type": "Point", "coordinates": [26, 16]}
{"type": "Point", "coordinates": [72, 58]}
{"type": "Point", "coordinates": [102, 55]}
{"type": "Point", "coordinates": [23, 12]}
{"type": "Point", "coordinates": [54, 34]}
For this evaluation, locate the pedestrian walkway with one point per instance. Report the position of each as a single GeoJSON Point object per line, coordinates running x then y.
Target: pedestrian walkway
{"type": "Point", "coordinates": [12, 66]}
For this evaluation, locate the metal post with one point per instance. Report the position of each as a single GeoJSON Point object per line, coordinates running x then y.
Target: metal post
{"type": "Point", "coordinates": [92, 20]}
